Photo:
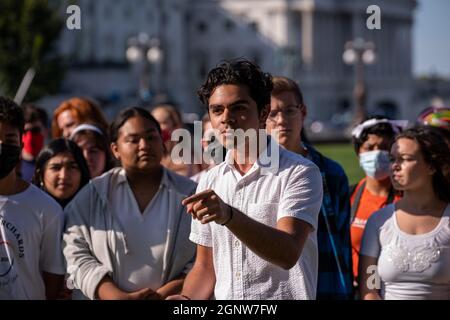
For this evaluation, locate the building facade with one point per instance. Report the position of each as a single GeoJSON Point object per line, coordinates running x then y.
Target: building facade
{"type": "Point", "coordinates": [301, 39]}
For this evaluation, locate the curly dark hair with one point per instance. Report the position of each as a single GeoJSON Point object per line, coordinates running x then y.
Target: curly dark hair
{"type": "Point", "coordinates": [384, 130]}
{"type": "Point", "coordinates": [436, 153]}
{"type": "Point", "coordinates": [12, 114]}
{"type": "Point", "coordinates": [238, 72]}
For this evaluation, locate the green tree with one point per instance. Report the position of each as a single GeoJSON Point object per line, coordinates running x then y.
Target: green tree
{"type": "Point", "coordinates": [29, 30]}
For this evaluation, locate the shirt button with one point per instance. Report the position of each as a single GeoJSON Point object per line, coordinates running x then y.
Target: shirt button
{"type": "Point", "coordinates": [238, 274]}
{"type": "Point", "coordinates": [236, 243]}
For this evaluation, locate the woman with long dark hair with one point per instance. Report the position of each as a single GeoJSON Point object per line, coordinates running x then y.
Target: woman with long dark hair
{"type": "Point", "coordinates": [61, 170]}
{"type": "Point", "coordinates": [406, 245]}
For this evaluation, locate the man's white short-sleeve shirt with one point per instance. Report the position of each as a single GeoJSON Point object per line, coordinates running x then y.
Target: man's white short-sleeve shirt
{"type": "Point", "coordinates": [294, 189]}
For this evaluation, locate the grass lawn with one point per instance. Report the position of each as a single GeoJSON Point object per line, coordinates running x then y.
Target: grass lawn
{"type": "Point", "coordinates": [344, 154]}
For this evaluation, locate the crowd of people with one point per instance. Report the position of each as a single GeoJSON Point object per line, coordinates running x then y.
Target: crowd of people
{"type": "Point", "coordinates": [102, 210]}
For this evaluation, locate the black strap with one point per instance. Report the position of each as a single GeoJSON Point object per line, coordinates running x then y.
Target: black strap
{"type": "Point", "coordinates": [359, 192]}
{"type": "Point", "coordinates": [354, 209]}
{"type": "Point", "coordinates": [352, 189]}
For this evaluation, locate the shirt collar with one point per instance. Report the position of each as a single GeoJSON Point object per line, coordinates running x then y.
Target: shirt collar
{"type": "Point", "coordinates": [122, 178]}
{"type": "Point", "coordinates": [262, 163]}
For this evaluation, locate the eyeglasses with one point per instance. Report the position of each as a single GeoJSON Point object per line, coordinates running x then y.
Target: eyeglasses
{"type": "Point", "coordinates": [288, 112]}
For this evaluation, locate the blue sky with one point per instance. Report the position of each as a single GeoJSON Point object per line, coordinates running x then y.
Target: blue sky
{"type": "Point", "coordinates": [432, 38]}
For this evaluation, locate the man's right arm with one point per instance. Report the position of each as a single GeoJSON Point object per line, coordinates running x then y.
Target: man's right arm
{"type": "Point", "coordinates": [200, 281]}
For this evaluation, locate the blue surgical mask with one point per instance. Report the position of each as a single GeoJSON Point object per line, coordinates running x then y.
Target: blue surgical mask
{"type": "Point", "coordinates": [375, 164]}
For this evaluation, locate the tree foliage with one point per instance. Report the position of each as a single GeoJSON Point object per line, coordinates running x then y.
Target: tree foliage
{"type": "Point", "coordinates": [29, 31]}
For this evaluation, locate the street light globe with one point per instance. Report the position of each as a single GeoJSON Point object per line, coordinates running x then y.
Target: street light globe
{"type": "Point", "coordinates": [317, 127]}
{"type": "Point", "coordinates": [369, 57]}
{"type": "Point", "coordinates": [134, 54]}
{"type": "Point", "coordinates": [154, 54]}
{"type": "Point", "coordinates": [349, 56]}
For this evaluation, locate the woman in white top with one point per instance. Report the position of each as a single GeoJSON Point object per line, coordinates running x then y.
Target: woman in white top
{"type": "Point", "coordinates": [127, 232]}
{"type": "Point", "coordinates": [405, 253]}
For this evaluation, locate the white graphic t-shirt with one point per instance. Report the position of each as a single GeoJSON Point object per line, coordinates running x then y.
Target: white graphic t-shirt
{"type": "Point", "coordinates": [31, 224]}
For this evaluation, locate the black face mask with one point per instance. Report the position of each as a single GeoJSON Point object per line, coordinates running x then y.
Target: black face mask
{"type": "Point", "coordinates": [9, 157]}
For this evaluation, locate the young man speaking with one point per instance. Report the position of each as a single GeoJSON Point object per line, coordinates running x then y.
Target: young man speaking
{"type": "Point", "coordinates": [255, 229]}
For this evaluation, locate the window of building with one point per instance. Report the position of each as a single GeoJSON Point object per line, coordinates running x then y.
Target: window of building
{"type": "Point", "coordinates": [108, 11]}
{"type": "Point", "coordinates": [202, 27]}
{"type": "Point", "coordinates": [255, 57]}
{"type": "Point", "coordinates": [229, 25]}
{"type": "Point", "coordinates": [386, 108]}
{"type": "Point", "coordinates": [254, 26]}
{"type": "Point", "coordinates": [150, 15]}
{"type": "Point", "coordinates": [127, 12]}
{"type": "Point", "coordinates": [109, 46]}
{"type": "Point", "coordinates": [91, 8]}
{"type": "Point", "coordinates": [202, 69]}
{"type": "Point", "coordinates": [187, 17]}
{"type": "Point", "coordinates": [202, 64]}
{"type": "Point", "coordinates": [227, 54]}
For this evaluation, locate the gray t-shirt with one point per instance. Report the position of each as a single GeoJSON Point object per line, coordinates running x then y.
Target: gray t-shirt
{"type": "Point", "coordinates": [411, 267]}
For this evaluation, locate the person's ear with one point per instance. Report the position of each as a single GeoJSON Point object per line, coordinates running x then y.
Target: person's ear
{"type": "Point", "coordinates": [263, 116]}
{"type": "Point", "coordinates": [115, 150]}
{"type": "Point", "coordinates": [40, 177]}
{"type": "Point", "coordinates": [304, 111]}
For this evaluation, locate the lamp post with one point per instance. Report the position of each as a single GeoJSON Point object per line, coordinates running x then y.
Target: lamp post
{"type": "Point", "coordinates": [359, 53]}
{"type": "Point", "coordinates": [145, 51]}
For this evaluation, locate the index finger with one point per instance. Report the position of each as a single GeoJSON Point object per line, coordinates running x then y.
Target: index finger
{"type": "Point", "coordinates": [195, 197]}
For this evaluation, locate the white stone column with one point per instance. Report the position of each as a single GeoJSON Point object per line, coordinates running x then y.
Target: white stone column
{"type": "Point", "coordinates": [307, 37]}
{"type": "Point", "coordinates": [176, 36]}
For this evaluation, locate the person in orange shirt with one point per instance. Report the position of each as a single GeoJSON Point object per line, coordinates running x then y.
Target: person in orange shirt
{"type": "Point", "coordinates": [371, 140]}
